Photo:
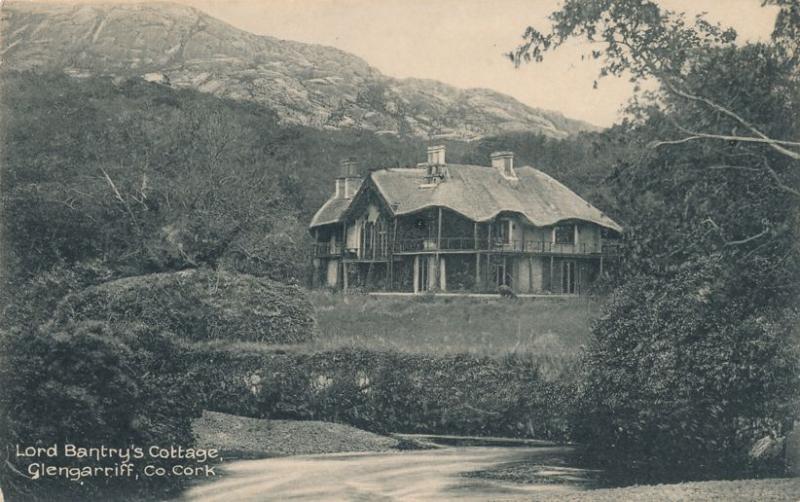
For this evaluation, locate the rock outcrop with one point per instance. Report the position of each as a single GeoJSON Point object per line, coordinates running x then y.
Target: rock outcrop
{"type": "Point", "coordinates": [305, 84]}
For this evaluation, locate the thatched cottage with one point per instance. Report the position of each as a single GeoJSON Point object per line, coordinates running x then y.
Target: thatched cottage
{"type": "Point", "coordinates": [455, 227]}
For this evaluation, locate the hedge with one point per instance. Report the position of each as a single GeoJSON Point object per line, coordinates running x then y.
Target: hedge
{"type": "Point", "coordinates": [91, 384]}
{"type": "Point", "coordinates": [387, 391]}
{"type": "Point", "coordinates": [199, 304]}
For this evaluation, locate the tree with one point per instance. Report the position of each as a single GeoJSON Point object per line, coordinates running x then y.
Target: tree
{"type": "Point", "coordinates": [642, 40]}
{"type": "Point", "coordinates": [694, 359]}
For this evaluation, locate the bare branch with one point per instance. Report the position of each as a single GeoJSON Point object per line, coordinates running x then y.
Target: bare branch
{"type": "Point", "coordinates": [724, 137]}
{"type": "Point", "coordinates": [14, 469]}
{"type": "Point", "coordinates": [737, 168]}
{"type": "Point", "coordinates": [712, 223]}
{"type": "Point", "coordinates": [761, 137]}
{"type": "Point", "coordinates": [113, 186]}
{"type": "Point", "coordinates": [748, 239]}
{"type": "Point", "coordinates": [656, 144]}
{"type": "Point", "coordinates": [131, 214]}
{"type": "Point", "coordinates": [778, 182]}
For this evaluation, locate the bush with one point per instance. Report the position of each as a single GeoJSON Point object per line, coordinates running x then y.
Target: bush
{"type": "Point", "coordinates": [31, 301]}
{"type": "Point", "coordinates": [387, 391]}
{"type": "Point", "coordinates": [678, 383]}
{"type": "Point", "coordinates": [91, 384]}
{"type": "Point", "coordinates": [199, 304]}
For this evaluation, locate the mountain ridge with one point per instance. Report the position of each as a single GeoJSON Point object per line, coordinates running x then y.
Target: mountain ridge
{"type": "Point", "coordinates": [306, 84]}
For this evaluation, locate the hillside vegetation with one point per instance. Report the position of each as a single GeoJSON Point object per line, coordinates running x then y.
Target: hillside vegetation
{"type": "Point", "coordinates": [136, 177]}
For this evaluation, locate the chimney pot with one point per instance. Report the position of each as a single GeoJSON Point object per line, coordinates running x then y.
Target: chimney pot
{"type": "Point", "coordinates": [349, 167]}
{"type": "Point", "coordinates": [349, 180]}
{"type": "Point", "coordinates": [436, 155]}
{"type": "Point", "coordinates": [504, 162]}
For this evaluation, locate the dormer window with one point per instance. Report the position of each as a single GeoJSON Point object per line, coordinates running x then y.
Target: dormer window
{"type": "Point", "coordinates": [501, 230]}
{"type": "Point", "coordinates": [564, 234]}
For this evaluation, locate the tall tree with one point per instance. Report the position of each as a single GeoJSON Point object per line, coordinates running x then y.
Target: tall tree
{"type": "Point", "coordinates": [695, 358]}
{"type": "Point", "coordinates": [641, 40]}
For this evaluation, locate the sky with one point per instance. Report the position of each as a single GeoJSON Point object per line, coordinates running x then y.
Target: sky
{"type": "Point", "coordinates": [463, 42]}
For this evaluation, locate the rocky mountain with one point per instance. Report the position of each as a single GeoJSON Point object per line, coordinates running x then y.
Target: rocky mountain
{"type": "Point", "coordinates": [305, 84]}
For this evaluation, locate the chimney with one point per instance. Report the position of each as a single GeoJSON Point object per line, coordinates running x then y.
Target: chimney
{"type": "Point", "coordinates": [436, 155]}
{"type": "Point", "coordinates": [349, 168]}
{"type": "Point", "coordinates": [504, 162]}
{"type": "Point", "coordinates": [349, 180]}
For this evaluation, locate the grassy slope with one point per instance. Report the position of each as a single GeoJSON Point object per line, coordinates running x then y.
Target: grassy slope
{"type": "Point", "coordinates": [454, 325]}
{"type": "Point", "coordinates": [243, 437]}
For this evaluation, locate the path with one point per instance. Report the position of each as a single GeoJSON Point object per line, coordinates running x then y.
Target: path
{"type": "Point", "coordinates": [418, 475]}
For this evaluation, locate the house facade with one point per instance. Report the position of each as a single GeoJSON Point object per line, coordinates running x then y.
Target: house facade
{"type": "Point", "coordinates": [459, 228]}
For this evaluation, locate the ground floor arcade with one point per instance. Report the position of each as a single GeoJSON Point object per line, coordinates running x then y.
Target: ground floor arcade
{"type": "Point", "coordinates": [462, 272]}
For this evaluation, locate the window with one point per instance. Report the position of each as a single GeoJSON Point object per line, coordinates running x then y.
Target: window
{"type": "Point", "coordinates": [501, 231]}
{"type": "Point", "coordinates": [564, 234]}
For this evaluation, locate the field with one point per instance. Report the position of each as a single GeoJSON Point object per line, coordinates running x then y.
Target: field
{"type": "Point", "coordinates": [446, 325]}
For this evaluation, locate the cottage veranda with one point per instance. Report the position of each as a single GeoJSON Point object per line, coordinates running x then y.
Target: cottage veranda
{"type": "Point", "coordinates": [463, 228]}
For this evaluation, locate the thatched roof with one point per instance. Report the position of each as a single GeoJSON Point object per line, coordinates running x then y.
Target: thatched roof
{"type": "Point", "coordinates": [330, 212]}
{"type": "Point", "coordinates": [479, 193]}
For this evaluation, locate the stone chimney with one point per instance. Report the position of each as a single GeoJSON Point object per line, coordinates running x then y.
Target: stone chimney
{"type": "Point", "coordinates": [349, 168]}
{"type": "Point", "coordinates": [349, 180]}
{"type": "Point", "coordinates": [435, 168]}
{"type": "Point", "coordinates": [504, 163]}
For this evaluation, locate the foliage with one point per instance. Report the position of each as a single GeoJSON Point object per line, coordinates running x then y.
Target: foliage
{"type": "Point", "coordinates": [199, 304]}
{"type": "Point", "coordinates": [146, 178]}
{"type": "Point", "coordinates": [138, 176]}
{"type": "Point", "coordinates": [91, 384]}
{"type": "Point", "coordinates": [694, 359]}
{"type": "Point", "coordinates": [641, 40]}
{"type": "Point", "coordinates": [387, 391]}
{"type": "Point", "coordinates": [698, 199]}
{"type": "Point", "coordinates": [32, 302]}
{"type": "Point", "coordinates": [681, 380]}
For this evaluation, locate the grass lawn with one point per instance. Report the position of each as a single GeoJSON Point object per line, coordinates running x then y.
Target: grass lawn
{"type": "Point", "coordinates": [480, 326]}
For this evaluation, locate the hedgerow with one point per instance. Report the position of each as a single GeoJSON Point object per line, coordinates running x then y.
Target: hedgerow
{"type": "Point", "coordinates": [387, 391]}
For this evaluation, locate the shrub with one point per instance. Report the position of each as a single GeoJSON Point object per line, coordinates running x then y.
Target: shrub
{"type": "Point", "coordinates": [31, 301]}
{"type": "Point", "coordinates": [387, 391]}
{"type": "Point", "coordinates": [506, 291]}
{"type": "Point", "coordinates": [679, 383]}
{"type": "Point", "coordinates": [199, 304]}
{"type": "Point", "coordinates": [91, 384]}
